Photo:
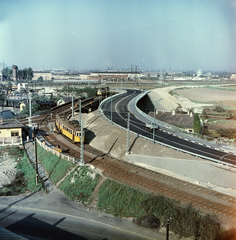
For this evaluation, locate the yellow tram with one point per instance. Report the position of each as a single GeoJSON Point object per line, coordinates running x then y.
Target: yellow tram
{"type": "Point", "coordinates": [70, 129]}
{"type": "Point", "coordinates": [103, 91]}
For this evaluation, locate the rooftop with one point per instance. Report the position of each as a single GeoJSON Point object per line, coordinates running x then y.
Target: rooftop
{"type": "Point", "coordinates": [12, 124]}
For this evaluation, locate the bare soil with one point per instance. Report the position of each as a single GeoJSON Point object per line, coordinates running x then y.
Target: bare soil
{"type": "Point", "coordinates": [207, 95]}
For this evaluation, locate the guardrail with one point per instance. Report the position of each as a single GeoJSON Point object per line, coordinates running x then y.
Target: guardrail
{"type": "Point", "coordinates": [162, 144]}
{"type": "Point", "coordinates": [169, 126]}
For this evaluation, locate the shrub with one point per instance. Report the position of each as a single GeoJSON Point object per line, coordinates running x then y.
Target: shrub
{"type": "Point", "coordinates": [124, 201]}
{"type": "Point", "coordinates": [218, 109]}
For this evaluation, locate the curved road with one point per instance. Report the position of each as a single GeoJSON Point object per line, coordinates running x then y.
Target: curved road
{"type": "Point", "coordinates": [119, 115]}
{"type": "Point", "coordinates": [54, 216]}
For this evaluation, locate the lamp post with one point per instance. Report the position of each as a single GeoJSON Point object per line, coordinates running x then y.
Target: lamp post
{"type": "Point", "coordinates": [72, 105]}
{"type": "Point", "coordinates": [154, 119]}
{"type": "Point", "coordinates": [128, 134]}
{"type": "Point", "coordinates": [111, 108]}
{"type": "Point", "coordinates": [153, 138]}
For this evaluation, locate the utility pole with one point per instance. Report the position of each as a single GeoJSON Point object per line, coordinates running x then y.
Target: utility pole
{"type": "Point", "coordinates": [111, 108]}
{"type": "Point", "coordinates": [36, 161]}
{"type": "Point", "coordinates": [167, 228]}
{"type": "Point", "coordinates": [128, 134]}
{"type": "Point", "coordinates": [154, 122]}
{"type": "Point", "coordinates": [29, 108]}
{"type": "Point", "coordinates": [161, 79]}
{"type": "Point", "coordinates": [72, 105]}
{"type": "Point", "coordinates": [80, 111]}
{"type": "Point", "coordinates": [135, 75]}
{"type": "Point", "coordinates": [82, 144]}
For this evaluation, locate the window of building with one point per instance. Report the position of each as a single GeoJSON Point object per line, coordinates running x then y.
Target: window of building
{"type": "Point", "coordinates": [14, 133]}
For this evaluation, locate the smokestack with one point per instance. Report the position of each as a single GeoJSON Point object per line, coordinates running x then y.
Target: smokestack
{"type": "Point", "coordinates": [14, 68]}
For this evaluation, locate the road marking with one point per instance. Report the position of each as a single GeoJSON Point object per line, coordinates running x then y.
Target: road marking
{"type": "Point", "coordinates": [82, 218]}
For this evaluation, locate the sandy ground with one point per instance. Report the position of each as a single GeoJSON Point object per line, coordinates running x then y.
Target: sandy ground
{"type": "Point", "coordinates": [207, 94]}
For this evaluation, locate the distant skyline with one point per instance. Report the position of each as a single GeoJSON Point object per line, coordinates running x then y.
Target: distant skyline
{"type": "Point", "coordinates": [92, 34]}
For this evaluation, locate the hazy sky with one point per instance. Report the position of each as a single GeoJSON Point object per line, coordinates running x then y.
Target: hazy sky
{"type": "Point", "coordinates": [97, 34]}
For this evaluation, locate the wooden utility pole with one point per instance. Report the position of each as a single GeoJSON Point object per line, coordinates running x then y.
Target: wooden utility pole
{"type": "Point", "coordinates": [36, 161]}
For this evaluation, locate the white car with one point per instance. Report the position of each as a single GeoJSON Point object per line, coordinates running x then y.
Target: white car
{"type": "Point", "coordinates": [152, 125]}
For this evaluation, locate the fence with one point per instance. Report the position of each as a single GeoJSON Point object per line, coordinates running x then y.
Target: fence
{"type": "Point", "coordinates": [10, 141]}
{"type": "Point", "coordinates": [53, 151]}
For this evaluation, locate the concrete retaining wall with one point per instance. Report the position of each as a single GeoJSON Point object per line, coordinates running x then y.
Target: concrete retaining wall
{"type": "Point", "coordinates": [198, 170]}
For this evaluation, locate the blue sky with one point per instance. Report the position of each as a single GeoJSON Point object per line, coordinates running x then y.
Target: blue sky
{"type": "Point", "coordinates": [87, 34]}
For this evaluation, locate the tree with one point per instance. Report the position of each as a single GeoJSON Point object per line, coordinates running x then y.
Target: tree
{"type": "Point", "coordinates": [40, 79]}
{"type": "Point", "coordinates": [24, 73]}
{"type": "Point", "coordinates": [196, 123]}
{"type": "Point", "coordinates": [19, 74]}
{"type": "Point", "coordinates": [30, 73]}
{"type": "Point", "coordinates": [34, 109]}
{"type": "Point", "coordinates": [6, 73]}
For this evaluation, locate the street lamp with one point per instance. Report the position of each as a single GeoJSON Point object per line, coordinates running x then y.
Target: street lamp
{"type": "Point", "coordinates": [154, 119]}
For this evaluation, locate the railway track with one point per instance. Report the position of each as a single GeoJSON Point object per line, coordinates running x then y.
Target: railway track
{"type": "Point", "coordinates": [204, 199]}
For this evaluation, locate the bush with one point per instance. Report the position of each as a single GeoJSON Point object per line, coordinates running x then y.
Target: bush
{"type": "Point", "coordinates": [124, 201]}
{"type": "Point", "coordinates": [185, 221]}
{"type": "Point", "coordinates": [219, 109]}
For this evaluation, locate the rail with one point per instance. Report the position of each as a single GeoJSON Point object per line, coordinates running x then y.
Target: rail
{"type": "Point", "coordinates": [162, 144]}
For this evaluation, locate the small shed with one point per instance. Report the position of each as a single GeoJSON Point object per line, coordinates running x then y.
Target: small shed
{"type": "Point", "coordinates": [11, 132]}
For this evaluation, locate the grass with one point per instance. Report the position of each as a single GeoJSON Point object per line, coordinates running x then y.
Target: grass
{"type": "Point", "coordinates": [224, 88]}
{"type": "Point", "coordinates": [25, 179]}
{"type": "Point", "coordinates": [123, 201]}
{"type": "Point", "coordinates": [120, 200]}
{"type": "Point", "coordinates": [80, 184]}
{"type": "Point", "coordinates": [56, 167]}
